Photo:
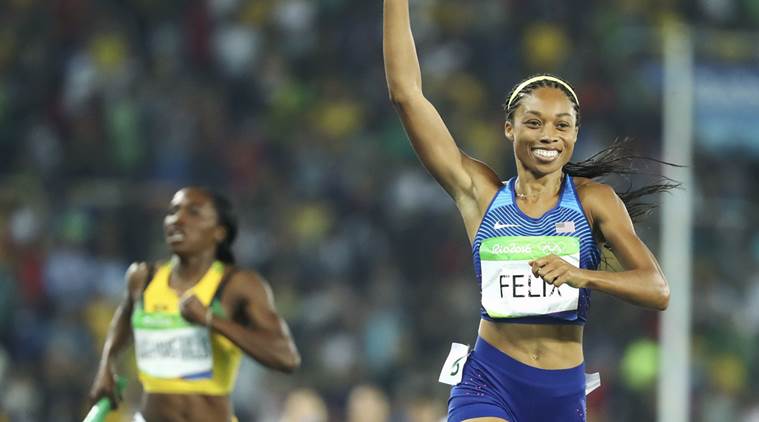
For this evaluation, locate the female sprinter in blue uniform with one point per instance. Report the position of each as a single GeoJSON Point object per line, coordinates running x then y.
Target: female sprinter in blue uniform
{"type": "Point", "coordinates": [192, 317]}
{"type": "Point", "coordinates": [534, 241]}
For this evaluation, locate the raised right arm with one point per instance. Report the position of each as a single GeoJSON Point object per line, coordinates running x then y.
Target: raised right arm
{"type": "Point", "coordinates": [457, 173]}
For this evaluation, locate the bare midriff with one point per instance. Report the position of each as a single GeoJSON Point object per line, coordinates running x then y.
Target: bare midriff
{"type": "Point", "coordinates": [539, 345]}
{"type": "Point", "coordinates": [185, 408]}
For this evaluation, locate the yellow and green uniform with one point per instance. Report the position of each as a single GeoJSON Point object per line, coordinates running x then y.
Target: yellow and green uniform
{"type": "Point", "coordinates": [175, 356]}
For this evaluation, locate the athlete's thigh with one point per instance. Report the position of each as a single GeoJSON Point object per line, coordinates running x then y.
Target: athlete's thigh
{"type": "Point", "coordinates": [488, 419]}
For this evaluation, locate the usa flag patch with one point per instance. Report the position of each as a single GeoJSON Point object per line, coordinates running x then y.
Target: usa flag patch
{"type": "Point", "coordinates": [565, 227]}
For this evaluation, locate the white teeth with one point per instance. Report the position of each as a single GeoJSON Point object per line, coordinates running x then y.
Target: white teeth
{"type": "Point", "coordinates": [545, 153]}
{"type": "Point", "coordinates": [176, 236]}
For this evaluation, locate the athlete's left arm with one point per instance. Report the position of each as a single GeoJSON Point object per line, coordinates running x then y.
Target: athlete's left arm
{"type": "Point", "coordinates": [641, 282]}
{"type": "Point", "coordinates": [264, 335]}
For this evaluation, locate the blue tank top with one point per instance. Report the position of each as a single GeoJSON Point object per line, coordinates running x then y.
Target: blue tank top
{"type": "Point", "coordinates": [504, 220]}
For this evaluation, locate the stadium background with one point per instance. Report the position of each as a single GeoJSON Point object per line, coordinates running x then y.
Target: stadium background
{"type": "Point", "coordinates": [107, 107]}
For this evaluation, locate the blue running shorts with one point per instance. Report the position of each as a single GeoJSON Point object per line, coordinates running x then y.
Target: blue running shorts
{"type": "Point", "coordinates": [496, 385]}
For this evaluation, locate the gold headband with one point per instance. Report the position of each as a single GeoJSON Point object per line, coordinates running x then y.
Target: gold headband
{"type": "Point", "coordinates": [542, 78]}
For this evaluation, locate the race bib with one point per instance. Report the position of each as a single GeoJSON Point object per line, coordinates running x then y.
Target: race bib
{"type": "Point", "coordinates": [453, 367]}
{"type": "Point", "coordinates": [169, 347]}
{"type": "Point", "coordinates": [510, 290]}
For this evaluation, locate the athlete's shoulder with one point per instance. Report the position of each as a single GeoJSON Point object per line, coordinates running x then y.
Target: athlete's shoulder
{"type": "Point", "coordinates": [243, 275]}
{"type": "Point", "coordinates": [598, 199]}
{"type": "Point", "coordinates": [591, 190]}
{"type": "Point", "coordinates": [246, 281]}
{"type": "Point", "coordinates": [136, 276]}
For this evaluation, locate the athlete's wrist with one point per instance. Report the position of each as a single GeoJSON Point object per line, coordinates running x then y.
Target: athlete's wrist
{"type": "Point", "coordinates": [209, 317]}
{"type": "Point", "coordinates": [584, 279]}
{"type": "Point", "coordinates": [589, 279]}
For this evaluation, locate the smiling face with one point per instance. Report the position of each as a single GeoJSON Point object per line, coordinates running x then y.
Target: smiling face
{"type": "Point", "coordinates": [543, 130]}
{"type": "Point", "coordinates": [191, 223]}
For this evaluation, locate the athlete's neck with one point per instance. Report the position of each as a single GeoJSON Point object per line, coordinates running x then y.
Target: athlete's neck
{"type": "Point", "coordinates": [189, 269]}
{"type": "Point", "coordinates": [532, 187]}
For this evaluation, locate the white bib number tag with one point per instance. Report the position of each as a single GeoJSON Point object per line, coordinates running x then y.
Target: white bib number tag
{"type": "Point", "coordinates": [453, 368]}
{"type": "Point", "coordinates": [174, 353]}
{"type": "Point", "coordinates": [510, 290]}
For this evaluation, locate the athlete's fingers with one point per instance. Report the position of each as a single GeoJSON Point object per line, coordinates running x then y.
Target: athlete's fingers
{"type": "Point", "coordinates": [113, 397]}
{"type": "Point", "coordinates": [542, 271]}
{"type": "Point", "coordinates": [562, 279]}
{"type": "Point", "coordinates": [538, 266]}
{"type": "Point", "coordinates": [547, 264]}
{"type": "Point", "coordinates": [556, 272]}
{"type": "Point", "coordinates": [545, 271]}
{"type": "Point", "coordinates": [118, 395]}
{"type": "Point", "coordinates": [550, 263]}
{"type": "Point", "coordinates": [107, 392]}
{"type": "Point", "coordinates": [553, 274]}
{"type": "Point", "coordinates": [546, 260]}
{"type": "Point", "coordinates": [557, 261]}
{"type": "Point", "coordinates": [190, 302]}
{"type": "Point", "coordinates": [104, 386]}
{"type": "Point", "coordinates": [535, 270]}
{"type": "Point", "coordinates": [192, 309]}
{"type": "Point", "coordinates": [187, 296]}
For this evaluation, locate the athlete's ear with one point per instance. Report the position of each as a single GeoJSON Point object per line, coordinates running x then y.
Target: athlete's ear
{"type": "Point", "coordinates": [508, 130]}
{"type": "Point", "coordinates": [220, 234]}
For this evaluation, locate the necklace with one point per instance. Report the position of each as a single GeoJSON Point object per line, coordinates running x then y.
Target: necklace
{"type": "Point", "coordinates": [536, 194]}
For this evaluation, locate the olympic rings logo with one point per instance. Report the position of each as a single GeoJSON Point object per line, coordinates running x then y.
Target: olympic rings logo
{"type": "Point", "coordinates": [551, 249]}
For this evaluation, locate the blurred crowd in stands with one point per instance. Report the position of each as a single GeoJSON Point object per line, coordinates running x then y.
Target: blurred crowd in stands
{"type": "Point", "coordinates": [107, 107]}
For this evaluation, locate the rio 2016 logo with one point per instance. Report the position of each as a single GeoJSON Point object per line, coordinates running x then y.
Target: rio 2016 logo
{"type": "Point", "coordinates": [511, 248]}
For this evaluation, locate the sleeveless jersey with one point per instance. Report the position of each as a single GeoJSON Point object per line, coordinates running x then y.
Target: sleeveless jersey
{"type": "Point", "coordinates": [508, 239]}
{"type": "Point", "coordinates": [175, 356]}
